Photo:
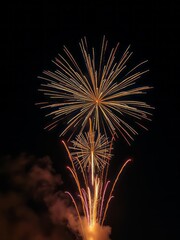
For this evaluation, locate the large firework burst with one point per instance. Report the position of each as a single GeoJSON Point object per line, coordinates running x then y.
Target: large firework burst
{"type": "Point", "coordinates": [101, 91]}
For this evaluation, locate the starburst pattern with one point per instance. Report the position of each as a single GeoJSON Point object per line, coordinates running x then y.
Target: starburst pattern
{"type": "Point", "coordinates": [100, 91]}
{"type": "Point", "coordinates": [86, 144]}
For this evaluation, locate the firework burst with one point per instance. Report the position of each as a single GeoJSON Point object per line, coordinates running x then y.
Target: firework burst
{"type": "Point", "coordinates": [104, 93]}
{"type": "Point", "coordinates": [100, 90]}
{"type": "Point", "coordinates": [86, 144]}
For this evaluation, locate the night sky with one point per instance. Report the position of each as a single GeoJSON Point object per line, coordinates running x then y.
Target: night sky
{"type": "Point", "coordinates": [146, 204]}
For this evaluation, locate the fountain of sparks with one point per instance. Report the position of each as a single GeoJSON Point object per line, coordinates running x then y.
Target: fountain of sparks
{"type": "Point", "coordinates": [90, 157]}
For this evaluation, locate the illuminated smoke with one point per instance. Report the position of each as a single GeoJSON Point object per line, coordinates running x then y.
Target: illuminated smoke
{"type": "Point", "coordinates": [31, 205]}
{"type": "Point", "coordinates": [98, 232]}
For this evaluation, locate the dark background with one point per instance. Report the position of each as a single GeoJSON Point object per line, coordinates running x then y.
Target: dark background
{"type": "Point", "coordinates": [146, 198]}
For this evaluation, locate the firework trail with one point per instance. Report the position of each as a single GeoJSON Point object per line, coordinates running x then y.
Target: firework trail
{"type": "Point", "coordinates": [102, 92]}
{"type": "Point", "coordinates": [92, 185]}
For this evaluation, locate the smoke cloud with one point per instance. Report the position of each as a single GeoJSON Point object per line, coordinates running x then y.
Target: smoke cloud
{"type": "Point", "coordinates": [33, 206]}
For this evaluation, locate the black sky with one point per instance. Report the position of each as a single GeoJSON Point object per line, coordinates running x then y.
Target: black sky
{"type": "Point", "coordinates": [146, 204]}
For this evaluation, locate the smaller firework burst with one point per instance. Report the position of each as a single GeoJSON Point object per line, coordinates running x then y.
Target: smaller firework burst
{"type": "Point", "coordinates": [91, 143]}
